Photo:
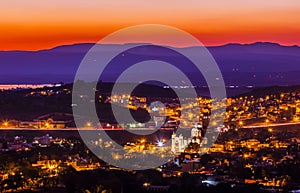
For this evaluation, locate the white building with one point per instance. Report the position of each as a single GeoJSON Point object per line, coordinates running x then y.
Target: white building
{"type": "Point", "coordinates": [179, 143]}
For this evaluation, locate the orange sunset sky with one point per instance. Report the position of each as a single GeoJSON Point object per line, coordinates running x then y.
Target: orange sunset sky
{"type": "Point", "coordinates": [34, 24]}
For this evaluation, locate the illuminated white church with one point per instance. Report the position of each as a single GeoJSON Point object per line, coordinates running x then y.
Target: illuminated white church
{"type": "Point", "coordinates": [179, 143]}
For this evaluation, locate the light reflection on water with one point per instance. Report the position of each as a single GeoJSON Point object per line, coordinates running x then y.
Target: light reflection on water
{"type": "Point", "coordinates": [23, 86]}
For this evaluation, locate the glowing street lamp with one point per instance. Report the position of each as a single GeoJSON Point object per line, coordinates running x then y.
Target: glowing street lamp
{"type": "Point", "coordinates": [214, 123]}
{"type": "Point", "coordinates": [241, 123]}
{"type": "Point", "coordinates": [146, 184]}
{"type": "Point", "coordinates": [270, 130]}
{"type": "Point", "coordinates": [88, 124]}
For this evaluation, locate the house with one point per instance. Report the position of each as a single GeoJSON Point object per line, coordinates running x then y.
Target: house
{"type": "Point", "coordinates": [54, 120]}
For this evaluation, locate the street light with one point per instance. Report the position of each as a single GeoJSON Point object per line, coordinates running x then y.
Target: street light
{"type": "Point", "coordinates": [270, 130]}
{"type": "Point", "coordinates": [88, 124]}
{"type": "Point", "coordinates": [146, 184]}
{"type": "Point", "coordinates": [241, 123]}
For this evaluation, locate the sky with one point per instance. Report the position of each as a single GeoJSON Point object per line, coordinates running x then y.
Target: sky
{"type": "Point", "coordinates": [35, 25]}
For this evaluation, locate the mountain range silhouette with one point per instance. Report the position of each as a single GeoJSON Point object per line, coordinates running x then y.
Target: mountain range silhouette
{"type": "Point", "coordinates": [257, 64]}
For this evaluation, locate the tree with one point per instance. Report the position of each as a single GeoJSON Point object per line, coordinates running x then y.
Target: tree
{"type": "Point", "coordinates": [98, 189]}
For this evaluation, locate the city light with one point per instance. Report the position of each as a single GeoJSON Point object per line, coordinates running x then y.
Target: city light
{"type": "Point", "coordinates": [88, 124]}
{"type": "Point", "coordinates": [225, 121]}
{"type": "Point", "coordinates": [5, 123]}
{"type": "Point", "coordinates": [51, 167]}
{"type": "Point", "coordinates": [146, 184]}
{"type": "Point", "coordinates": [270, 130]}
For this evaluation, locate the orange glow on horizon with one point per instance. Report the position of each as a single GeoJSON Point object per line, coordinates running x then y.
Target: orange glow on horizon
{"type": "Point", "coordinates": [35, 25]}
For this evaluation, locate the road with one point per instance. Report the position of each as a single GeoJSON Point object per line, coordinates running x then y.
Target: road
{"type": "Point", "coordinates": [270, 125]}
{"type": "Point", "coordinates": [81, 129]}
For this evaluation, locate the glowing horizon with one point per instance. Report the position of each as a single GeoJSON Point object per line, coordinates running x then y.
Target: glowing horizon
{"type": "Point", "coordinates": [37, 25]}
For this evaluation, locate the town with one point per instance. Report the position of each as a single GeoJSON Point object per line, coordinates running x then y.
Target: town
{"type": "Point", "coordinates": [257, 147]}
{"type": "Point", "coordinates": [248, 111]}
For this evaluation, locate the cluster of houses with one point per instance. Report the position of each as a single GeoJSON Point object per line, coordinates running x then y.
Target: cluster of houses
{"type": "Point", "coordinates": [19, 143]}
{"type": "Point", "coordinates": [274, 108]}
{"type": "Point", "coordinates": [47, 121]}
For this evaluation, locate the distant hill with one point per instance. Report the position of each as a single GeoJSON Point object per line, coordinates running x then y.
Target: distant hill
{"type": "Point", "coordinates": [258, 64]}
{"type": "Point", "coordinates": [271, 90]}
